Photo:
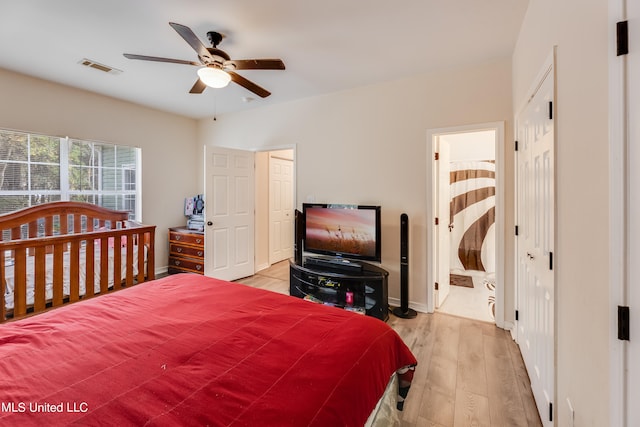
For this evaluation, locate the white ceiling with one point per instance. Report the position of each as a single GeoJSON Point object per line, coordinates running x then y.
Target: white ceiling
{"type": "Point", "coordinates": [327, 45]}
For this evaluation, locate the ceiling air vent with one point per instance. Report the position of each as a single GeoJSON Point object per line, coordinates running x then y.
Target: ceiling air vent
{"type": "Point", "coordinates": [93, 64]}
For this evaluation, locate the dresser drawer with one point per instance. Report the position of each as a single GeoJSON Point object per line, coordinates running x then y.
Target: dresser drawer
{"type": "Point", "coordinates": [186, 264]}
{"type": "Point", "coordinates": [188, 251]}
{"type": "Point", "coordinates": [189, 239]}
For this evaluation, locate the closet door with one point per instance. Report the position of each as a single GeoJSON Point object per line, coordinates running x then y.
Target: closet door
{"type": "Point", "coordinates": [633, 215]}
{"type": "Point", "coordinates": [535, 241]}
{"type": "Point", "coordinates": [280, 209]}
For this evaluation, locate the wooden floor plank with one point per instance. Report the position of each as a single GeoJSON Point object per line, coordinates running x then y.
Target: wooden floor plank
{"type": "Point", "coordinates": [524, 385]}
{"type": "Point", "coordinates": [442, 376]}
{"type": "Point", "coordinates": [437, 407]}
{"type": "Point", "coordinates": [471, 410]}
{"type": "Point", "coordinates": [472, 376]}
{"type": "Point", "coordinates": [501, 380]}
{"type": "Point", "coordinates": [423, 422]}
{"type": "Point", "coordinates": [412, 330]}
{"type": "Point", "coordinates": [447, 336]}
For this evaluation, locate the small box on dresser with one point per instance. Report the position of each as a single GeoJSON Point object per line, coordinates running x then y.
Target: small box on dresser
{"type": "Point", "coordinates": [186, 251]}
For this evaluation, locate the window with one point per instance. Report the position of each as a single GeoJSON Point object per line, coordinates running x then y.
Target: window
{"type": "Point", "coordinates": [36, 169]}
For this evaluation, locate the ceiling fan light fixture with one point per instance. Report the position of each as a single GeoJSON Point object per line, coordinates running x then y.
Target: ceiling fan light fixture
{"type": "Point", "coordinates": [214, 77]}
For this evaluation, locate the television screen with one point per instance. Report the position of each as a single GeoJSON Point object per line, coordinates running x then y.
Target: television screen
{"type": "Point", "coordinates": [349, 231]}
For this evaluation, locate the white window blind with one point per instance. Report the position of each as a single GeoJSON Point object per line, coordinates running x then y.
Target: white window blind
{"type": "Point", "coordinates": [36, 169]}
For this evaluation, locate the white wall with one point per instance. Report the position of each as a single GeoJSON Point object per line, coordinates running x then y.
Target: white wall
{"type": "Point", "coordinates": [471, 145]}
{"type": "Point", "coordinates": [369, 146]}
{"type": "Point", "coordinates": [579, 29]}
{"type": "Point", "coordinates": [168, 142]}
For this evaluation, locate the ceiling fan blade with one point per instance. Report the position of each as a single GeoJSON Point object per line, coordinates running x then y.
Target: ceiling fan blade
{"type": "Point", "coordinates": [256, 64]}
{"type": "Point", "coordinates": [158, 59]}
{"type": "Point", "coordinates": [198, 87]}
{"type": "Point", "coordinates": [193, 40]}
{"type": "Point", "coordinates": [249, 85]}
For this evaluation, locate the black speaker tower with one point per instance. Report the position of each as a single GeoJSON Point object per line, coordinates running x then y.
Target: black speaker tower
{"type": "Point", "coordinates": [404, 311]}
{"type": "Point", "coordinates": [298, 236]}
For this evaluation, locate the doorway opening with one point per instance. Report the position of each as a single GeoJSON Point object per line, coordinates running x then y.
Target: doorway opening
{"type": "Point", "coordinates": [275, 204]}
{"type": "Point", "coordinates": [467, 213]}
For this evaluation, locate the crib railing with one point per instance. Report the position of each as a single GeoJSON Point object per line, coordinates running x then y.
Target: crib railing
{"type": "Point", "coordinates": [78, 232]}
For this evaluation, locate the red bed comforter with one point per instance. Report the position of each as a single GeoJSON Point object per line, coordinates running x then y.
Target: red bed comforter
{"type": "Point", "coordinates": [191, 350]}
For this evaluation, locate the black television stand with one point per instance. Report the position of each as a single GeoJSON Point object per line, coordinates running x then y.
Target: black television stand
{"type": "Point", "coordinates": [362, 288]}
{"type": "Point", "coordinates": [334, 263]}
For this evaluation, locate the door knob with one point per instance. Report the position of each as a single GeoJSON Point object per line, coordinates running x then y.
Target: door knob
{"type": "Point", "coordinates": [209, 223]}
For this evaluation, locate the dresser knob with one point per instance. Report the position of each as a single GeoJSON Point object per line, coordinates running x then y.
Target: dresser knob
{"type": "Point", "coordinates": [178, 237]}
{"type": "Point", "coordinates": [198, 240]}
{"type": "Point", "coordinates": [178, 249]}
{"type": "Point", "coordinates": [198, 267]}
{"type": "Point", "coordinates": [177, 262]}
{"type": "Point", "coordinates": [199, 253]}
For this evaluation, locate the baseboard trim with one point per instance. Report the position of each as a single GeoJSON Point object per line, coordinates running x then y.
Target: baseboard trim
{"type": "Point", "coordinates": [422, 308]}
{"type": "Point", "coordinates": [261, 267]}
{"type": "Point", "coordinates": [513, 331]}
{"type": "Point", "coordinates": [509, 326]}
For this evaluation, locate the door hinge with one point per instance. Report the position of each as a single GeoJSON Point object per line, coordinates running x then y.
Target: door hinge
{"type": "Point", "coordinates": [550, 110]}
{"type": "Point", "coordinates": [516, 230]}
{"type": "Point", "coordinates": [550, 260]}
{"type": "Point", "coordinates": [623, 323]}
{"type": "Point", "coordinates": [550, 411]}
{"type": "Point", "coordinates": [622, 38]}
{"type": "Point", "coordinates": [436, 156]}
{"type": "Point", "coordinates": [437, 286]}
{"type": "Point", "coordinates": [516, 144]}
{"type": "Point", "coordinates": [437, 221]}
{"type": "Point", "coordinates": [517, 314]}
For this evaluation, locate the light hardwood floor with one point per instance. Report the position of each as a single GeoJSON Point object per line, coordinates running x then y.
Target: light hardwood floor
{"type": "Point", "coordinates": [470, 373]}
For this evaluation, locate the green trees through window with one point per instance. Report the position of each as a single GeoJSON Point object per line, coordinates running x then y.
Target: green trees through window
{"type": "Point", "coordinates": [37, 169]}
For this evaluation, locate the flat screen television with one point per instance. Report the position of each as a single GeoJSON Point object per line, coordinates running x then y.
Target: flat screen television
{"type": "Point", "coordinates": [347, 231]}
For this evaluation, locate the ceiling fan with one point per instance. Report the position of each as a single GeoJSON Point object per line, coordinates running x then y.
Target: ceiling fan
{"type": "Point", "coordinates": [217, 67]}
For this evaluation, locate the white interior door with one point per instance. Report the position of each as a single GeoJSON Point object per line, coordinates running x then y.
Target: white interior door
{"type": "Point", "coordinates": [633, 216]}
{"type": "Point", "coordinates": [229, 211]}
{"type": "Point", "coordinates": [280, 209]}
{"type": "Point", "coordinates": [441, 229]}
{"type": "Point", "coordinates": [535, 242]}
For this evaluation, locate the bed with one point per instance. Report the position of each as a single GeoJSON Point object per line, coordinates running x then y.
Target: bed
{"type": "Point", "coordinates": [50, 254]}
{"type": "Point", "coordinates": [192, 350]}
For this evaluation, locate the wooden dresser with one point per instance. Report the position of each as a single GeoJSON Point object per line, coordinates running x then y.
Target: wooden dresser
{"type": "Point", "coordinates": [186, 251]}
